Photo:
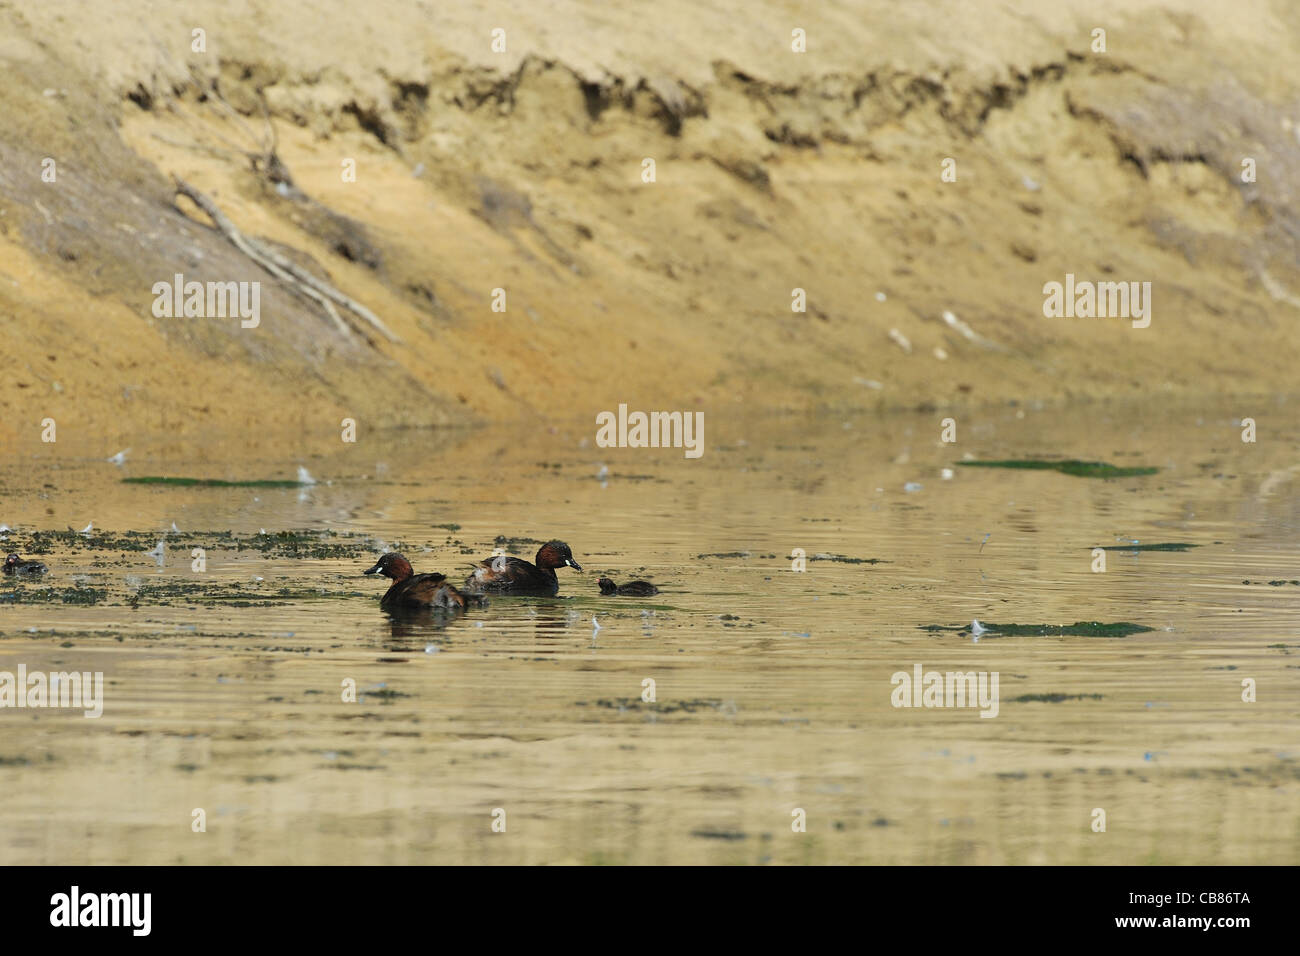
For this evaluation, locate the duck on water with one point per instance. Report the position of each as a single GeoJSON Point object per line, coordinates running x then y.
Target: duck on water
{"type": "Point", "coordinates": [510, 575]}
{"type": "Point", "coordinates": [16, 565]}
{"type": "Point", "coordinates": [631, 589]}
{"type": "Point", "coordinates": [417, 590]}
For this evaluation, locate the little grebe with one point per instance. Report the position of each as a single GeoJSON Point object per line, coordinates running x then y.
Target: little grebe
{"type": "Point", "coordinates": [415, 590]}
{"type": "Point", "coordinates": [631, 589]}
{"type": "Point", "coordinates": [516, 575]}
{"type": "Point", "coordinates": [16, 565]}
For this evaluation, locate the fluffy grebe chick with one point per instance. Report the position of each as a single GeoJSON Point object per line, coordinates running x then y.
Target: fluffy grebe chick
{"type": "Point", "coordinates": [631, 589]}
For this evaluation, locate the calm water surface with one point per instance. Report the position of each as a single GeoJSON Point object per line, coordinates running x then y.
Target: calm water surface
{"type": "Point", "coordinates": [224, 688]}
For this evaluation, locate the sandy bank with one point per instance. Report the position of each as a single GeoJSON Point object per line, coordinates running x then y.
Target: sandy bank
{"type": "Point", "coordinates": [522, 170]}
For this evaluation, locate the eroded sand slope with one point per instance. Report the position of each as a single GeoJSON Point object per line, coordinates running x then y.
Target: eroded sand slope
{"type": "Point", "coordinates": [521, 170]}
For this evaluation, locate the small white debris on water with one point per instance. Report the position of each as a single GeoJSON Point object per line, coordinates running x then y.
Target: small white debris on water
{"type": "Point", "coordinates": [120, 458]}
{"type": "Point", "coordinates": [977, 630]}
{"type": "Point", "coordinates": [912, 486]}
{"type": "Point", "coordinates": [901, 340]}
{"type": "Point", "coordinates": [958, 325]}
{"type": "Point", "coordinates": [88, 528]}
{"type": "Point", "coordinates": [304, 476]}
{"type": "Point", "coordinates": [940, 354]}
{"type": "Point", "coordinates": [868, 382]}
{"type": "Point", "coordinates": [881, 297]}
{"type": "Point", "coordinates": [946, 474]}
{"type": "Point", "coordinates": [1030, 184]}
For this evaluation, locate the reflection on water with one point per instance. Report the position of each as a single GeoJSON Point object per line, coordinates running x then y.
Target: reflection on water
{"type": "Point", "coordinates": [225, 688]}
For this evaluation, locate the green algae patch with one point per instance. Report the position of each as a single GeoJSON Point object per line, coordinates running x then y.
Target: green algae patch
{"type": "Point", "coordinates": [55, 596]}
{"type": "Point", "coordinates": [288, 544]}
{"type": "Point", "coordinates": [1077, 629]}
{"type": "Point", "coordinates": [1163, 546]}
{"type": "Point", "coordinates": [597, 601]}
{"type": "Point", "coordinates": [1056, 698]}
{"type": "Point", "coordinates": [229, 595]}
{"type": "Point", "coordinates": [625, 704]}
{"type": "Point", "coordinates": [1069, 466]}
{"type": "Point", "coordinates": [383, 694]}
{"type": "Point", "coordinates": [212, 482]}
{"type": "Point", "coordinates": [843, 559]}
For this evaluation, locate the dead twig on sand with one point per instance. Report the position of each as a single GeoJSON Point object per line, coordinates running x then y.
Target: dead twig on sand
{"type": "Point", "coordinates": [284, 269]}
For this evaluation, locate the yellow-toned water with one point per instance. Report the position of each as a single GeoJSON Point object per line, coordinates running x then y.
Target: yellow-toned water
{"type": "Point", "coordinates": [772, 687]}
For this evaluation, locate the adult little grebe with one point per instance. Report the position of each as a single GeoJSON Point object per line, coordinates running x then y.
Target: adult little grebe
{"type": "Point", "coordinates": [416, 590]}
{"type": "Point", "coordinates": [516, 575]}
{"type": "Point", "coordinates": [16, 565]}
{"type": "Point", "coordinates": [631, 589]}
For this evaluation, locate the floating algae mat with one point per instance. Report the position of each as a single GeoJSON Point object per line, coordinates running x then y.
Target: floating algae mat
{"type": "Point", "coordinates": [1077, 629]}
{"type": "Point", "coordinates": [76, 595]}
{"type": "Point", "coordinates": [1070, 466]}
{"type": "Point", "coordinates": [308, 543]}
{"type": "Point", "coordinates": [237, 595]}
{"type": "Point", "coordinates": [1163, 546]}
{"type": "Point", "coordinates": [212, 482]}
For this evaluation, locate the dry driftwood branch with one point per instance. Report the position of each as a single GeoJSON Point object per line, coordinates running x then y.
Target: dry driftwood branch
{"type": "Point", "coordinates": [284, 269]}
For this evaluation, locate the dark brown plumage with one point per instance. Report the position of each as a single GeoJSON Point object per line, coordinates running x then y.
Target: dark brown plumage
{"type": "Point", "coordinates": [417, 590]}
{"type": "Point", "coordinates": [515, 575]}
{"type": "Point", "coordinates": [16, 565]}
{"type": "Point", "coordinates": [631, 589]}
